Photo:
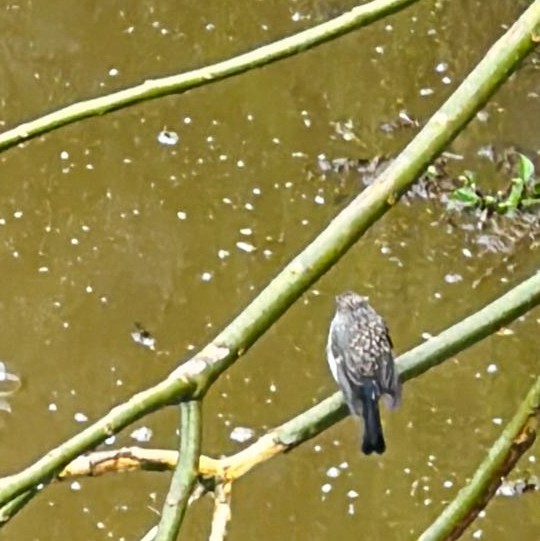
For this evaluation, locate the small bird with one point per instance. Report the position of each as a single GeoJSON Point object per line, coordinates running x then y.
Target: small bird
{"type": "Point", "coordinates": [359, 353]}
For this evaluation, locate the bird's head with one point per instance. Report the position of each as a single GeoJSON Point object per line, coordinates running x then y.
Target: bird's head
{"type": "Point", "coordinates": [351, 301]}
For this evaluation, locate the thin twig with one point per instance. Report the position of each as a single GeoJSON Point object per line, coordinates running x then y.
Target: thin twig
{"type": "Point", "coordinates": [315, 420]}
{"type": "Point", "coordinates": [516, 438]}
{"type": "Point", "coordinates": [193, 378]}
{"type": "Point", "coordinates": [222, 511]}
{"type": "Point", "coordinates": [175, 84]}
{"type": "Point", "coordinates": [185, 473]}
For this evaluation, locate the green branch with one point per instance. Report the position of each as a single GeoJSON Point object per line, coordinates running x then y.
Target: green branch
{"type": "Point", "coordinates": [193, 378]}
{"type": "Point", "coordinates": [175, 84]}
{"type": "Point", "coordinates": [516, 438]}
{"type": "Point", "coordinates": [415, 362]}
{"type": "Point", "coordinates": [185, 473]}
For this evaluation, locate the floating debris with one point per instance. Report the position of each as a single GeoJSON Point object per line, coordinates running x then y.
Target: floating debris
{"type": "Point", "coordinates": [242, 434]}
{"type": "Point", "coordinates": [168, 138]}
{"type": "Point", "coordinates": [143, 337]}
{"type": "Point", "coordinates": [245, 247]}
{"type": "Point", "coordinates": [142, 434]}
{"type": "Point", "coordinates": [9, 384]}
{"type": "Point", "coordinates": [80, 417]}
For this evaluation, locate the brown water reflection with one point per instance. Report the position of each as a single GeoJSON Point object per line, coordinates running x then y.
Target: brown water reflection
{"type": "Point", "coordinates": [102, 226]}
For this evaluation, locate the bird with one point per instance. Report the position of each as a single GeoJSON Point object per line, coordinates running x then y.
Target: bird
{"type": "Point", "coordinates": [359, 354]}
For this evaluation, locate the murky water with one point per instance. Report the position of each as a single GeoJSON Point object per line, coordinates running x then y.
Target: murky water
{"type": "Point", "coordinates": [102, 226]}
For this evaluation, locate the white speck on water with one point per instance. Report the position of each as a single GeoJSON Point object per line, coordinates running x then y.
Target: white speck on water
{"type": "Point", "coordinates": [379, 49]}
{"type": "Point", "coordinates": [466, 252]}
{"type": "Point", "coordinates": [446, 80]}
{"type": "Point", "coordinates": [426, 91]}
{"type": "Point", "coordinates": [76, 486]}
{"type": "Point", "coordinates": [80, 417]}
{"type": "Point", "coordinates": [497, 421]}
{"type": "Point", "coordinates": [240, 163]}
{"type": "Point", "coordinates": [352, 494]}
{"type": "Point", "coordinates": [223, 254]}
{"type": "Point", "coordinates": [453, 278]}
{"type": "Point", "coordinates": [209, 27]}
{"type": "Point", "coordinates": [245, 247]}
{"type": "Point", "coordinates": [441, 67]}
{"type": "Point", "coordinates": [256, 191]}
{"type": "Point", "coordinates": [333, 472]}
{"type": "Point", "coordinates": [53, 407]}
{"type": "Point", "coordinates": [74, 241]}
{"type": "Point", "coordinates": [428, 501]}
{"type": "Point", "coordinates": [267, 253]}
{"type": "Point", "coordinates": [482, 116]}
{"type": "Point", "coordinates": [319, 199]}
{"type": "Point", "coordinates": [246, 231]}
{"type": "Point", "coordinates": [407, 470]}
{"type": "Point", "coordinates": [110, 440]}
{"type": "Point", "coordinates": [317, 448]}
{"type": "Point", "coordinates": [43, 269]}
{"type": "Point", "coordinates": [344, 465]}
{"type": "Point", "coordinates": [448, 484]}
{"type": "Point", "coordinates": [273, 388]}
{"type": "Point", "coordinates": [187, 120]}
{"type": "Point", "coordinates": [181, 215]}
{"type": "Point", "coordinates": [142, 434]}
{"type": "Point", "coordinates": [242, 434]}
{"type": "Point", "coordinates": [100, 525]}
{"type": "Point", "coordinates": [168, 138]}
{"type": "Point", "coordinates": [426, 336]}
{"type": "Point", "coordinates": [326, 488]}
{"type": "Point", "coordinates": [113, 72]}
{"type": "Point", "coordinates": [482, 513]}
{"type": "Point", "coordinates": [532, 459]}
{"type": "Point", "coordinates": [206, 276]}
{"type": "Point", "coordinates": [389, 28]}
{"type": "Point", "coordinates": [18, 214]}
{"type": "Point", "coordinates": [89, 289]}
{"type": "Point", "coordinates": [477, 534]}
{"type": "Point", "coordinates": [491, 368]}
{"type": "Point", "coordinates": [64, 155]}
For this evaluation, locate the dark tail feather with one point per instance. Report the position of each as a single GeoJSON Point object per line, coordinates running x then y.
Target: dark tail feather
{"type": "Point", "coordinates": [373, 434]}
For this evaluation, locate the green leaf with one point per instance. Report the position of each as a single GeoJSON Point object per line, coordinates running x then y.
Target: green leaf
{"type": "Point", "coordinates": [526, 168]}
{"type": "Point", "coordinates": [466, 195]}
{"type": "Point", "coordinates": [514, 198]}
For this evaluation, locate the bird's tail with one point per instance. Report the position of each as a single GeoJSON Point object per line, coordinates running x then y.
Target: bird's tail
{"type": "Point", "coordinates": [373, 434]}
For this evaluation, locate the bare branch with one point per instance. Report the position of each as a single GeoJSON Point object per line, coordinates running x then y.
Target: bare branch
{"type": "Point", "coordinates": [185, 473]}
{"type": "Point", "coordinates": [516, 438]}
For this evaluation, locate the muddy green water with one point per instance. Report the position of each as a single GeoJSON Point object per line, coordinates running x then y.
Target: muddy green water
{"type": "Point", "coordinates": [103, 226]}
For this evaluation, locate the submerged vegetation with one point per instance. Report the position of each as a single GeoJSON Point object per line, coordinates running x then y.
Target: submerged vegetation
{"type": "Point", "coordinates": [522, 191]}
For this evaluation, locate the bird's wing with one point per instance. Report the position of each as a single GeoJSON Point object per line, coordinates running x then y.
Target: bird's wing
{"type": "Point", "coordinates": [342, 373]}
